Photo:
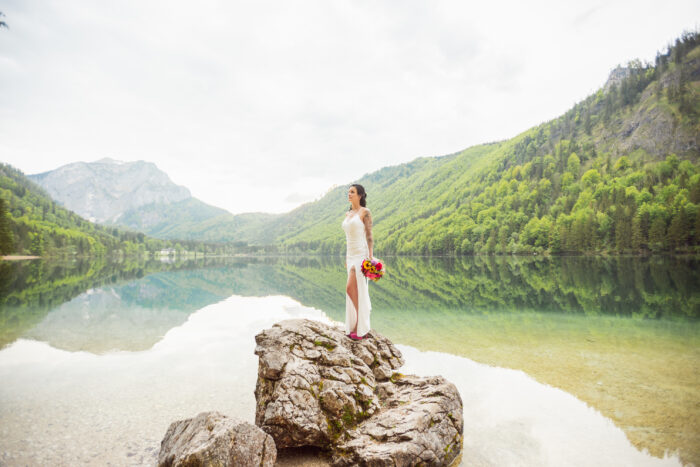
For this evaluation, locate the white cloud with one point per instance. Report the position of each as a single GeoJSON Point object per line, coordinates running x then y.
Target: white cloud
{"type": "Point", "coordinates": [258, 106]}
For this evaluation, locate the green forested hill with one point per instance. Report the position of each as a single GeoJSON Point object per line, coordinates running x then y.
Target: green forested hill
{"type": "Point", "coordinates": [32, 223]}
{"type": "Point", "coordinates": [182, 219]}
{"type": "Point", "coordinates": [617, 173]}
{"type": "Point", "coordinates": [222, 228]}
{"type": "Point", "coordinates": [35, 224]}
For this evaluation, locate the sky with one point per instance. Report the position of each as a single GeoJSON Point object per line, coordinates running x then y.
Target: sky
{"type": "Point", "coordinates": [263, 106]}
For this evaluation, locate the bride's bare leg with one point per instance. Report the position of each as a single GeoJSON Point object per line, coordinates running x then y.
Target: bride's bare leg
{"type": "Point", "coordinates": [351, 290]}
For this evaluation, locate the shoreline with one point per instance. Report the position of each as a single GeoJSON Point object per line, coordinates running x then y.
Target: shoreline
{"type": "Point", "coordinates": [606, 255]}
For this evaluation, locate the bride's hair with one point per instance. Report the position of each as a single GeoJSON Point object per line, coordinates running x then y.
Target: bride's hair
{"type": "Point", "coordinates": [362, 194]}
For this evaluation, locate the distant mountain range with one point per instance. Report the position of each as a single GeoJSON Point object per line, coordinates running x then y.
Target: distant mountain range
{"type": "Point", "coordinates": [136, 195]}
{"type": "Point", "coordinates": [104, 190]}
{"type": "Point", "coordinates": [617, 172]}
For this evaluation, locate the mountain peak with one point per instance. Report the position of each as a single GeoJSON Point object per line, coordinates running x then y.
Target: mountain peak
{"type": "Point", "coordinates": [109, 160]}
{"type": "Point", "coordinates": [112, 187]}
{"type": "Point", "coordinates": [616, 76]}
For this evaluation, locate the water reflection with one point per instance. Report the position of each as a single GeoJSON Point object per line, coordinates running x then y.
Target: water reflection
{"type": "Point", "coordinates": [29, 290]}
{"type": "Point", "coordinates": [129, 306]}
{"type": "Point", "coordinates": [108, 319]}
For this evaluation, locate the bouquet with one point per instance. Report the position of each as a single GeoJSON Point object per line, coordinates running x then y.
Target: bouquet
{"type": "Point", "coordinates": [372, 269]}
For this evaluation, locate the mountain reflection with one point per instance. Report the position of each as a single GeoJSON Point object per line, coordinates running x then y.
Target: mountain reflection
{"type": "Point", "coordinates": [100, 307]}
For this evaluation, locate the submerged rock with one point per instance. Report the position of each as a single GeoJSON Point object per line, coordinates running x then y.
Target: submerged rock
{"type": "Point", "coordinates": [212, 439]}
{"type": "Point", "coordinates": [317, 387]}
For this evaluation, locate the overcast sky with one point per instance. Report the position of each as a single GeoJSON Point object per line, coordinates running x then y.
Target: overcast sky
{"type": "Point", "coordinates": [261, 106]}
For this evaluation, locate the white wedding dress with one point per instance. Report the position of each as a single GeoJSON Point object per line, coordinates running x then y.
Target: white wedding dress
{"type": "Point", "coordinates": [357, 251]}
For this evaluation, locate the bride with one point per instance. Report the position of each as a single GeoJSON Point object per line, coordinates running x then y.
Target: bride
{"type": "Point", "coordinates": [358, 233]}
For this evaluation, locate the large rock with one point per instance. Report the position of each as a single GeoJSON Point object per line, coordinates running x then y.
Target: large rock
{"type": "Point", "coordinates": [212, 439]}
{"type": "Point", "coordinates": [317, 387]}
{"type": "Point", "coordinates": [420, 424]}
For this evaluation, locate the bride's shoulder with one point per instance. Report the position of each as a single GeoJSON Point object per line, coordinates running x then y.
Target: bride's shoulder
{"type": "Point", "coordinates": [364, 211]}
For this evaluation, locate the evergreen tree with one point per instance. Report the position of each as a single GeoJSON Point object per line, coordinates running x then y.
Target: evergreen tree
{"type": "Point", "coordinates": [503, 238]}
{"type": "Point", "coordinates": [677, 51]}
{"type": "Point", "coordinates": [657, 233]}
{"type": "Point", "coordinates": [637, 239]}
{"type": "Point", "coordinates": [492, 241]}
{"type": "Point", "coordinates": [555, 244]}
{"type": "Point", "coordinates": [577, 235]}
{"type": "Point", "coordinates": [623, 230]}
{"type": "Point", "coordinates": [678, 230]}
{"type": "Point", "coordinates": [7, 243]}
{"type": "Point", "coordinates": [587, 126]}
{"type": "Point", "coordinates": [37, 247]}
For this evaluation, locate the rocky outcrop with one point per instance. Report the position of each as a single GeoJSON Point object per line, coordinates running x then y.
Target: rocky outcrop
{"type": "Point", "coordinates": [616, 76]}
{"type": "Point", "coordinates": [212, 439]}
{"type": "Point", "coordinates": [654, 130]}
{"type": "Point", "coordinates": [652, 125]}
{"type": "Point", "coordinates": [317, 387]}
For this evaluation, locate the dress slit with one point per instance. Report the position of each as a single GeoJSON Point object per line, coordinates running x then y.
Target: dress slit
{"type": "Point", "coordinates": [357, 295]}
{"type": "Point", "coordinates": [357, 251]}
{"type": "Point", "coordinates": [364, 306]}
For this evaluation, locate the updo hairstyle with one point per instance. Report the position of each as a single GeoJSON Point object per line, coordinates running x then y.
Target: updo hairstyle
{"type": "Point", "coordinates": [362, 194]}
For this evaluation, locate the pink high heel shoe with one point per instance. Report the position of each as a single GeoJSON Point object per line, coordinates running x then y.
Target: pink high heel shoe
{"type": "Point", "coordinates": [355, 337]}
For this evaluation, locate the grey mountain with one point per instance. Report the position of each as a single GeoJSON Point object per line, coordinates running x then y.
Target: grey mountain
{"type": "Point", "coordinates": [136, 195]}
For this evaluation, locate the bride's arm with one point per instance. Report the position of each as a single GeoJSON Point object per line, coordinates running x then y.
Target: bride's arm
{"type": "Point", "coordinates": [368, 231]}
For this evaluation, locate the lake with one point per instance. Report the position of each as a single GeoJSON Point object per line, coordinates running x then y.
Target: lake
{"type": "Point", "coordinates": [559, 361]}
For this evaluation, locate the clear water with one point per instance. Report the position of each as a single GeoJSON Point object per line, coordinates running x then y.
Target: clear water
{"type": "Point", "coordinates": [98, 359]}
